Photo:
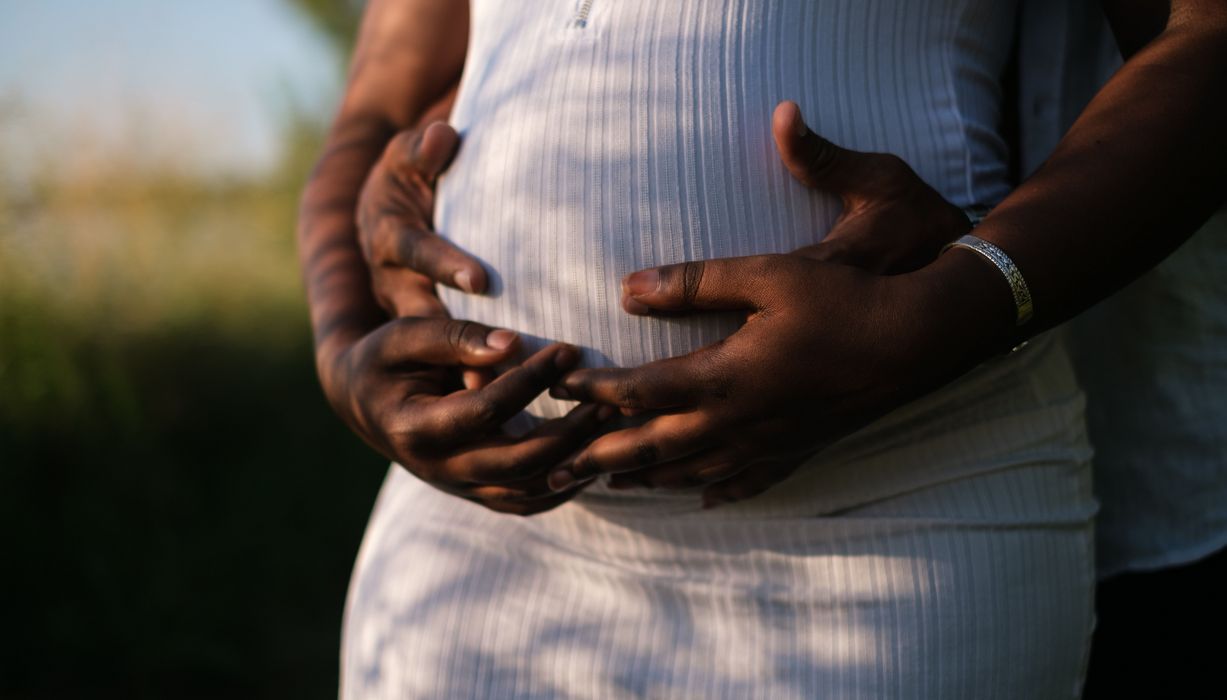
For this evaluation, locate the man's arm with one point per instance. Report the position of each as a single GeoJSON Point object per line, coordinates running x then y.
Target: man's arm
{"type": "Point", "coordinates": [398, 383]}
{"type": "Point", "coordinates": [1138, 172]}
{"type": "Point", "coordinates": [1135, 24]}
{"type": "Point", "coordinates": [409, 55]}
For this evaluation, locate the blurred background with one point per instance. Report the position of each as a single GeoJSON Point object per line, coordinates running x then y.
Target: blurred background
{"type": "Point", "coordinates": [180, 509]}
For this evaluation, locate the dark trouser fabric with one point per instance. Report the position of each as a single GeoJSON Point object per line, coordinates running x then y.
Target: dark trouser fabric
{"type": "Point", "coordinates": [1162, 634]}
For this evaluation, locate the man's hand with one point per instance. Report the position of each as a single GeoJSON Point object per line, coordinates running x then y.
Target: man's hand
{"type": "Point", "coordinates": [825, 349]}
{"type": "Point", "coordinates": [398, 388]}
{"type": "Point", "coordinates": [892, 221]}
{"type": "Point", "coordinates": [421, 389]}
{"type": "Point", "coordinates": [396, 223]}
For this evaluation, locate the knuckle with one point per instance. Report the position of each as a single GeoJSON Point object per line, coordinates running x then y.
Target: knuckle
{"type": "Point", "coordinates": [823, 158]}
{"type": "Point", "coordinates": [584, 467]}
{"type": "Point", "coordinates": [526, 465]}
{"type": "Point", "coordinates": [692, 280]}
{"type": "Point", "coordinates": [626, 392]}
{"type": "Point", "coordinates": [382, 244]}
{"type": "Point", "coordinates": [412, 252]}
{"type": "Point", "coordinates": [456, 332]}
{"type": "Point", "coordinates": [646, 453]}
{"type": "Point", "coordinates": [715, 382]}
{"type": "Point", "coordinates": [402, 146]}
{"type": "Point", "coordinates": [408, 437]}
{"type": "Point", "coordinates": [484, 411]}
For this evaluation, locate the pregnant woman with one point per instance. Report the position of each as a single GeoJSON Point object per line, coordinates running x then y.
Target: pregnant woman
{"type": "Point", "coordinates": [943, 549]}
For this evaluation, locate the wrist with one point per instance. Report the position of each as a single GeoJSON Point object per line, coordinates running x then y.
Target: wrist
{"type": "Point", "coordinates": [964, 309]}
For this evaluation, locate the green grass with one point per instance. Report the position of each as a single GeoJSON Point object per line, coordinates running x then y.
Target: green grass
{"type": "Point", "coordinates": [181, 508]}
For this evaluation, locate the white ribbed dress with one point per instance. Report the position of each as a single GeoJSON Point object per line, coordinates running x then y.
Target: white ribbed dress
{"type": "Point", "coordinates": [943, 552]}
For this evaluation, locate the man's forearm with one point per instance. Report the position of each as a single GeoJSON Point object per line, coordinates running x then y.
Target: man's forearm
{"type": "Point", "coordinates": [406, 64]}
{"type": "Point", "coordinates": [1144, 165]}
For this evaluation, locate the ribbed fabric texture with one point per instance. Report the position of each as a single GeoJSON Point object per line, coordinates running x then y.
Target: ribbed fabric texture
{"type": "Point", "coordinates": [1153, 359]}
{"type": "Point", "coordinates": [943, 552]}
{"type": "Point", "coordinates": [644, 138]}
{"type": "Point", "coordinates": [921, 563]}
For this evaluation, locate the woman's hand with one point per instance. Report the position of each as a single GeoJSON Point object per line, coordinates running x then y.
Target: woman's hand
{"type": "Point", "coordinates": [398, 388]}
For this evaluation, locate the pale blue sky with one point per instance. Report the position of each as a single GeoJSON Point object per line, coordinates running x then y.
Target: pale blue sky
{"type": "Point", "coordinates": [200, 81]}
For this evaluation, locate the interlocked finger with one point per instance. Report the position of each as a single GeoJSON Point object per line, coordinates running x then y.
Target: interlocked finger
{"type": "Point", "coordinates": [459, 416]}
{"type": "Point", "coordinates": [520, 459]}
{"type": "Point", "coordinates": [662, 439]}
{"type": "Point", "coordinates": [664, 384]}
{"type": "Point", "coordinates": [698, 469]}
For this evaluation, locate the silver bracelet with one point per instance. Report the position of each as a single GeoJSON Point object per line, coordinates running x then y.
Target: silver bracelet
{"type": "Point", "coordinates": [995, 255]}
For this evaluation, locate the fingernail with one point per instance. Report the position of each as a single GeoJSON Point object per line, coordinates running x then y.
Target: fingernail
{"type": "Point", "coordinates": [464, 280]}
{"type": "Point", "coordinates": [560, 479]}
{"type": "Point", "coordinates": [500, 339]}
{"type": "Point", "coordinates": [643, 282]}
{"type": "Point", "coordinates": [798, 123]}
{"type": "Point", "coordinates": [604, 413]}
{"type": "Point", "coordinates": [634, 306]}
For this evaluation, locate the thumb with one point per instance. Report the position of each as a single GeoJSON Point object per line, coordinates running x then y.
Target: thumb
{"type": "Point", "coordinates": [700, 285]}
{"type": "Point", "coordinates": [422, 152]}
{"type": "Point", "coordinates": [810, 158]}
{"type": "Point", "coordinates": [439, 145]}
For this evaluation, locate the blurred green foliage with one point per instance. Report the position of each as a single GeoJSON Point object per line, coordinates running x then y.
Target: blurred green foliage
{"type": "Point", "coordinates": [336, 18]}
{"type": "Point", "coordinates": [181, 508]}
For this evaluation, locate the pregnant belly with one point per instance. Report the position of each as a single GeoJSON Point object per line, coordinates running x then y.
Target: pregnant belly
{"type": "Point", "coordinates": [638, 142]}
{"type": "Point", "coordinates": [560, 199]}
{"type": "Point", "coordinates": [559, 217]}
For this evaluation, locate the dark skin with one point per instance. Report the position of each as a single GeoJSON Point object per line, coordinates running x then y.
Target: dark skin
{"type": "Point", "coordinates": [401, 384]}
{"type": "Point", "coordinates": [1137, 173]}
